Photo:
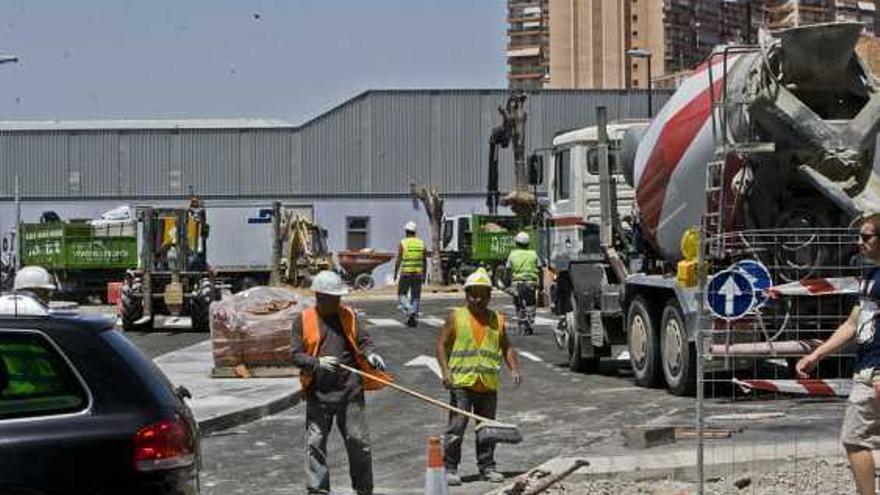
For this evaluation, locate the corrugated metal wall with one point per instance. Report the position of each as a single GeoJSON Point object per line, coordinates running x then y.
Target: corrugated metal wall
{"type": "Point", "coordinates": [377, 143]}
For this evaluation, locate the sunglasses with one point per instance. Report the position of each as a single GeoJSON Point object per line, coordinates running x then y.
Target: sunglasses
{"type": "Point", "coordinates": [867, 237]}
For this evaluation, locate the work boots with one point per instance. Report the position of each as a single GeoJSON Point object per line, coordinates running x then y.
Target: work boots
{"type": "Point", "coordinates": [452, 478]}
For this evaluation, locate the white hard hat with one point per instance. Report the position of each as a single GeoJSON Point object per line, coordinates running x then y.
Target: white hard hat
{"type": "Point", "coordinates": [33, 277]}
{"type": "Point", "coordinates": [410, 227]}
{"type": "Point", "coordinates": [522, 238]}
{"type": "Point", "coordinates": [330, 283]}
{"type": "Point", "coordinates": [478, 279]}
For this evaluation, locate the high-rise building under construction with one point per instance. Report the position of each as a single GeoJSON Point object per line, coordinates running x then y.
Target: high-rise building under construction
{"type": "Point", "coordinates": [583, 43]}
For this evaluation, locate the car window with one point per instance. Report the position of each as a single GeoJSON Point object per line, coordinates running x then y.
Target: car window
{"type": "Point", "coordinates": [35, 380]}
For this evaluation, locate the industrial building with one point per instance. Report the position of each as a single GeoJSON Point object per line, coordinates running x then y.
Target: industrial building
{"type": "Point", "coordinates": [352, 166]}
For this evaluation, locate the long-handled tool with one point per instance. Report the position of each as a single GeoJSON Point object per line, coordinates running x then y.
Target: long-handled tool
{"type": "Point", "coordinates": [488, 430]}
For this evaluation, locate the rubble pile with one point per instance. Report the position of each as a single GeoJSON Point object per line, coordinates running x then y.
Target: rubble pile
{"type": "Point", "coordinates": [254, 327]}
{"type": "Point", "coordinates": [829, 476]}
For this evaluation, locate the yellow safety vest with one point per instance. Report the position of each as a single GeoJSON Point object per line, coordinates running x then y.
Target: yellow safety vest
{"type": "Point", "coordinates": [469, 362]}
{"type": "Point", "coordinates": [413, 254]}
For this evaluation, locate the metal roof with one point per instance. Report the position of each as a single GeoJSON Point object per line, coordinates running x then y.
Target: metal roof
{"type": "Point", "coordinates": [142, 124]}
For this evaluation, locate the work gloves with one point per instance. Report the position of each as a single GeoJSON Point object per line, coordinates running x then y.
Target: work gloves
{"type": "Point", "coordinates": [377, 362]}
{"type": "Point", "coordinates": [328, 363]}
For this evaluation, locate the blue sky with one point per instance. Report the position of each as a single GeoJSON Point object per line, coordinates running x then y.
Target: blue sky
{"type": "Point", "coordinates": [294, 59]}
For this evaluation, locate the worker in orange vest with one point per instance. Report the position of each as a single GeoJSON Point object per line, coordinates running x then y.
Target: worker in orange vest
{"type": "Point", "coordinates": [324, 337]}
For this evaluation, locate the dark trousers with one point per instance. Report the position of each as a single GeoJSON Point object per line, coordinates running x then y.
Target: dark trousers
{"type": "Point", "coordinates": [352, 423]}
{"type": "Point", "coordinates": [481, 404]}
{"type": "Point", "coordinates": [409, 294]}
{"type": "Point", "coordinates": [524, 300]}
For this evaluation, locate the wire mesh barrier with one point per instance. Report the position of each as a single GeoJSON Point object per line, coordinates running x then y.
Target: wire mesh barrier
{"type": "Point", "coordinates": [770, 298]}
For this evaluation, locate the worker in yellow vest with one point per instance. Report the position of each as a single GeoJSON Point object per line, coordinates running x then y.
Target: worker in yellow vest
{"type": "Point", "coordinates": [324, 337]}
{"type": "Point", "coordinates": [470, 349]}
{"type": "Point", "coordinates": [524, 267]}
{"type": "Point", "coordinates": [409, 270]}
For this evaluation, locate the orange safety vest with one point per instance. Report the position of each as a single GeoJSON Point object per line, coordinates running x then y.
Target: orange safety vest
{"type": "Point", "coordinates": [311, 335]}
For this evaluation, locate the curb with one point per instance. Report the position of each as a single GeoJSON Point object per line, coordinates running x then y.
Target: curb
{"type": "Point", "coordinates": [242, 416]}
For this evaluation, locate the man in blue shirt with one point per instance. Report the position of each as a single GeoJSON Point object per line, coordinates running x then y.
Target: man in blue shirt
{"type": "Point", "coordinates": [860, 432]}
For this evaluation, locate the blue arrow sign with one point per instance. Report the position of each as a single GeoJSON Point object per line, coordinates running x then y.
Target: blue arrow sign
{"type": "Point", "coordinates": [759, 276]}
{"type": "Point", "coordinates": [729, 294]}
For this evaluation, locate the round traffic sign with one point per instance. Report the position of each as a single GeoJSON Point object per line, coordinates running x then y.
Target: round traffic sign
{"type": "Point", "coordinates": [730, 294]}
{"type": "Point", "coordinates": [759, 276]}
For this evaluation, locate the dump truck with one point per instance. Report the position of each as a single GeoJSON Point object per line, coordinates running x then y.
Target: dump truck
{"type": "Point", "coordinates": [764, 153]}
{"type": "Point", "coordinates": [81, 255]}
{"type": "Point", "coordinates": [473, 241]}
{"type": "Point", "coordinates": [248, 243]}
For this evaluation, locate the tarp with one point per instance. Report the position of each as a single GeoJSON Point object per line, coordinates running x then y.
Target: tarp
{"type": "Point", "coordinates": [254, 327]}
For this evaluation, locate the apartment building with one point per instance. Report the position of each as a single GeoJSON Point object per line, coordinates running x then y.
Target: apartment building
{"type": "Point", "coordinates": [583, 43]}
{"type": "Point", "coordinates": [528, 44]}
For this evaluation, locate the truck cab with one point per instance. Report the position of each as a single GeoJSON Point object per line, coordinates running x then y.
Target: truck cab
{"type": "Point", "coordinates": [573, 190]}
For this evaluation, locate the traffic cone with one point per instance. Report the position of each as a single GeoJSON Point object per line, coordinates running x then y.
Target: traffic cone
{"type": "Point", "coordinates": [435, 475]}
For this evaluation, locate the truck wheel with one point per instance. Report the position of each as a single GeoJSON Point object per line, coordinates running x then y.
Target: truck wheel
{"type": "Point", "coordinates": [363, 281]}
{"type": "Point", "coordinates": [200, 304]}
{"type": "Point", "coordinates": [576, 362]}
{"type": "Point", "coordinates": [644, 346]}
{"type": "Point", "coordinates": [132, 304]}
{"type": "Point", "coordinates": [679, 355]}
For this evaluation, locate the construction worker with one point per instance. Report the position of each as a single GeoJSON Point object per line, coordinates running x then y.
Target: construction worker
{"type": "Point", "coordinates": [860, 432]}
{"type": "Point", "coordinates": [409, 270]}
{"type": "Point", "coordinates": [470, 349]}
{"type": "Point", "coordinates": [324, 337]}
{"type": "Point", "coordinates": [523, 266]}
{"type": "Point", "coordinates": [37, 281]}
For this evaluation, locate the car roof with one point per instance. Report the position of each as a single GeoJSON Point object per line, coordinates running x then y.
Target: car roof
{"type": "Point", "coordinates": [61, 322]}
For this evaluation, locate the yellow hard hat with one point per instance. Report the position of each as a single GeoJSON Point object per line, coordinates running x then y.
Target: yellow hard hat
{"type": "Point", "coordinates": [480, 278]}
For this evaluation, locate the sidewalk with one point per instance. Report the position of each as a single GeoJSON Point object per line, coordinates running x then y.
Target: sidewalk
{"type": "Point", "coordinates": [220, 403]}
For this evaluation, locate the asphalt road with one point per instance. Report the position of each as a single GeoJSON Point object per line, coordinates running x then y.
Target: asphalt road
{"type": "Point", "coordinates": [559, 413]}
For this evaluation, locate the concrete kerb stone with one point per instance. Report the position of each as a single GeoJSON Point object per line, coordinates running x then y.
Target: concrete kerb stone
{"type": "Point", "coordinates": [248, 415]}
{"type": "Point", "coordinates": [681, 463]}
{"type": "Point", "coordinates": [222, 403]}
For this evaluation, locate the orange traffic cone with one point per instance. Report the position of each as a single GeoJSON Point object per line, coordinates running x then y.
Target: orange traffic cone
{"type": "Point", "coordinates": [435, 475]}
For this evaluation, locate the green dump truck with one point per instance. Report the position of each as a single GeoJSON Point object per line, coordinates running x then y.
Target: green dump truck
{"type": "Point", "coordinates": [472, 241]}
{"type": "Point", "coordinates": [83, 257]}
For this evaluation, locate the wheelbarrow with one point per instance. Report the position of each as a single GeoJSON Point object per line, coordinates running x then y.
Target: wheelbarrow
{"type": "Point", "coordinates": [357, 266]}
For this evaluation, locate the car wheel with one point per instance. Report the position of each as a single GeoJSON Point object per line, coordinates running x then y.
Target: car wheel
{"type": "Point", "coordinates": [643, 343]}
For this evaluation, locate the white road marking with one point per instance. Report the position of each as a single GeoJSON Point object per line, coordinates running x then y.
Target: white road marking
{"type": "Point", "coordinates": [386, 322]}
{"type": "Point", "coordinates": [430, 362]}
{"type": "Point", "coordinates": [432, 321]}
{"type": "Point", "coordinates": [540, 320]}
{"type": "Point", "coordinates": [529, 356]}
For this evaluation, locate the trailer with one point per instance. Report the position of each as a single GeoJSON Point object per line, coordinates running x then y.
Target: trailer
{"type": "Point", "coordinates": [248, 243]}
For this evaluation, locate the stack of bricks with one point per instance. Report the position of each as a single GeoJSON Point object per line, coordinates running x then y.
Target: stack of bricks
{"type": "Point", "coordinates": [254, 327]}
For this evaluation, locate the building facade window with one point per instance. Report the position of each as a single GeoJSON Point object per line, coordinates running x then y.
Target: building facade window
{"type": "Point", "coordinates": [357, 233]}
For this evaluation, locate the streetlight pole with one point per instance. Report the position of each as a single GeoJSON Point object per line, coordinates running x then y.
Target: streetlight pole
{"type": "Point", "coordinates": [646, 54]}
{"type": "Point", "coordinates": [11, 59]}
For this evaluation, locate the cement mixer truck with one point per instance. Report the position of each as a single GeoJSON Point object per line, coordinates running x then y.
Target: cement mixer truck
{"type": "Point", "coordinates": [776, 140]}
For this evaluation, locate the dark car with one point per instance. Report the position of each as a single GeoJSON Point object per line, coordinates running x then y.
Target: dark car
{"type": "Point", "coordinates": [83, 411]}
